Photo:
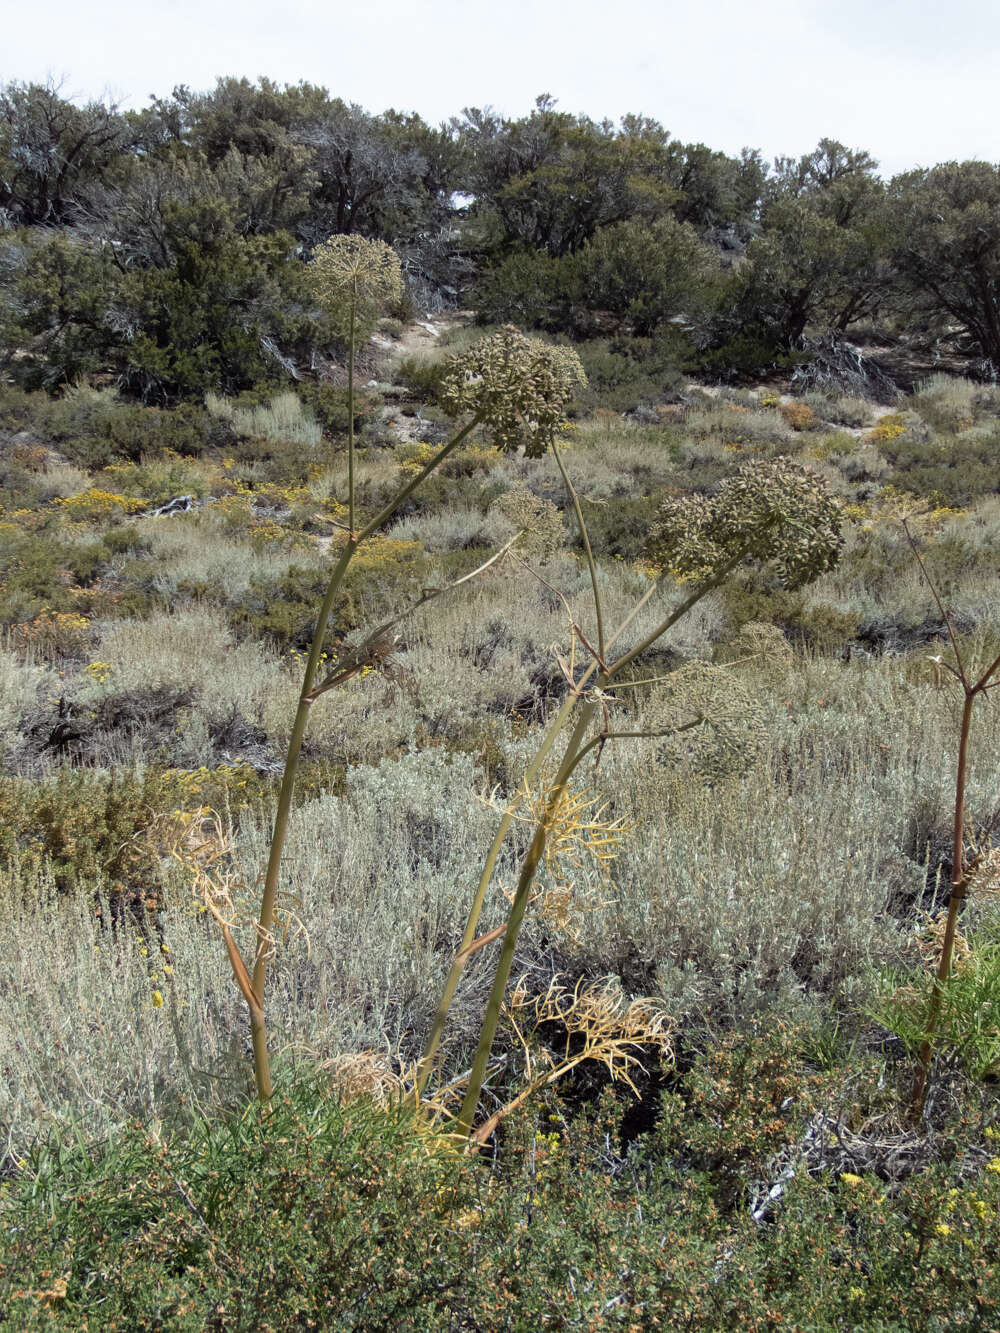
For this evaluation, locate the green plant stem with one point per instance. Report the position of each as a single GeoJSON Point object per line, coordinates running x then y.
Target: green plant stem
{"type": "Point", "coordinates": [475, 911]}
{"type": "Point", "coordinates": [529, 866]}
{"type": "Point", "coordinates": [522, 894]}
{"type": "Point", "coordinates": [959, 879]}
{"type": "Point", "coordinates": [585, 538]}
{"type": "Point", "coordinates": [675, 615]}
{"type": "Point", "coordinates": [258, 1028]}
{"type": "Point", "coordinates": [958, 886]}
{"type": "Point", "coordinates": [350, 410]}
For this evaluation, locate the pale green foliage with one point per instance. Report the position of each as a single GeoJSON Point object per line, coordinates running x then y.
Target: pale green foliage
{"type": "Point", "coordinates": [946, 402]}
{"type": "Point", "coordinates": [21, 684]}
{"type": "Point", "coordinates": [737, 902]}
{"type": "Point", "coordinates": [283, 420]}
{"type": "Point", "coordinates": [517, 386]}
{"type": "Point", "coordinates": [777, 512]}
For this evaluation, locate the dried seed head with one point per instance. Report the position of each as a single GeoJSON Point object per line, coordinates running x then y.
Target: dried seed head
{"type": "Point", "coordinates": [538, 519]}
{"type": "Point", "coordinates": [351, 266]}
{"type": "Point", "coordinates": [757, 641]}
{"type": "Point", "coordinates": [775, 512]}
{"type": "Point", "coordinates": [518, 387]}
{"type": "Point", "coordinates": [728, 741]}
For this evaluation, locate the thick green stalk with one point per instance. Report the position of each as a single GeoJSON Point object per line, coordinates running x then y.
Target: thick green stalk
{"type": "Point", "coordinates": [350, 411]}
{"type": "Point", "coordinates": [585, 538]}
{"type": "Point", "coordinates": [269, 895]}
{"type": "Point", "coordinates": [959, 879]}
{"type": "Point", "coordinates": [475, 911]}
{"type": "Point", "coordinates": [675, 615]}
{"type": "Point", "coordinates": [522, 894]}
{"type": "Point", "coordinates": [958, 884]}
{"type": "Point", "coordinates": [532, 771]}
{"type": "Point", "coordinates": [572, 755]}
{"type": "Point", "coordinates": [270, 891]}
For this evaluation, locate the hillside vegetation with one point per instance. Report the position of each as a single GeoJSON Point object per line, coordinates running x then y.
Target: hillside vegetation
{"type": "Point", "coordinates": [698, 1106]}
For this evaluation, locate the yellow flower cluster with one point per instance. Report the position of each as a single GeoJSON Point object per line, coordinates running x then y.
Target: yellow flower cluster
{"type": "Point", "coordinates": [98, 671]}
{"type": "Point", "coordinates": [94, 505]}
{"type": "Point", "coordinates": [891, 427]}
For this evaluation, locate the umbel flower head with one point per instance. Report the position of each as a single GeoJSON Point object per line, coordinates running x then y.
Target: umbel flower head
{"type": "Point", "coordinates": [346, 268]}
{"type": "Point", "coordinates": [729, 738]}
{"type": "Point", "coordinates": [518, 387]}
{"type": "Point", "coordinates": [776, 512]}
{"type": "Point", "coordinates": [538, 519]}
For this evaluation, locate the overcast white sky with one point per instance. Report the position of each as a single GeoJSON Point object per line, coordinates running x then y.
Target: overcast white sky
{"type": "Point", "coordinates": [912, 81]}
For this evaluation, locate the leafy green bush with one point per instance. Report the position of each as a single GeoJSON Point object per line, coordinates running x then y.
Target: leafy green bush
{"type": "Point", "coordinates": [319, 1213]}
{"type": "Point", "coordinates": [328, 404]}
{"type": "Point", "coordinates": [969, 1021]}
{"type": "Point", "coordinates": [647, 273]}
{"type": "Point", "coordinates": [947, 470]}
{"type": "Point", "coordinates": [423, 376]}
{"type": "Point", "coordinates": [88, 829]}
{"type": "Point", "coordinates": [43, 573]}
{"type": "Point", "coordinates": [94, 427]}
{"type": "Point", "coordinates": [529, 288]}
{"type": "Point", "coordinates": [619, 529]}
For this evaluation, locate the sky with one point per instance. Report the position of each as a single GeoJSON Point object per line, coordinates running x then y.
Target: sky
{"type": "Point", "coordinates": [911, 81]}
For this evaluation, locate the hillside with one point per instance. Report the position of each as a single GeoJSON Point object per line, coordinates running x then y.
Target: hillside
{"type": "Point", "coordinates": [739, 915]}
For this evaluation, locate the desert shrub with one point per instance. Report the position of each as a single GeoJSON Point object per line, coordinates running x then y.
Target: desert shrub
{"type": "Point", "coordinates": [328, 404]}
{"type": "Point", "coordinates": [740, 427]}
{"type": "Point", "coordinates": [94, 427]}
{"type": "Point", "coordinates": [423, 376]}
{"type": "Point", "coordinates": [619, 528]}
{"type": "Point", "coordinates": [800, 416]}
{"type": "Point", "coordinates": [743, 1100]}
{"type": "Point", "coordinates": [470, 461]}
{"type": "Point", "coordinates": [43, 574]}
{"type": "Point", "coordinates": [31, 478]}
{"type": "Point", "coordinates": [282, 609]}
{"type": "Point", "coordinates": [53, 636]}
{"type": "Point", "coordinates": [857, 462]}
{"type": "Point", "coordinates": [744, 356]}
{"type": "Point", "coordinates": [839, 410]}
{"type": "Point", "coordinates": [453, 530]}
{"type": "Point", "coordinates": [22, 683]}
{"type": "Point", "coordinates": [282, 421]}
{"type": "Point", "coordinates": [530, 289]}
{"type": "Point", "coordinates": [87, 831]}
{"type": "Point", "coordinates": [335, 1209]}
{"type": "Point", "coordinates": [99, 506]}
{"type": "Point", "coordinates": [623, 372]}
{"type": "Point", "coordinates": [951, 471]}
{"type": "Point", "coordinates": [946, 402]}
{"type": "Point", "coordinates": [158, 479]}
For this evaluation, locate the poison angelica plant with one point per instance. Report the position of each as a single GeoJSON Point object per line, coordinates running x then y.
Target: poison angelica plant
{"type": "Point", "coordinates": [974, 680]}
{"type": "Point", "coordinates": [517, 391]}
{"type": "Point", "coordinates": [776, 514]}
